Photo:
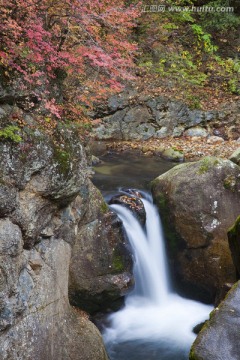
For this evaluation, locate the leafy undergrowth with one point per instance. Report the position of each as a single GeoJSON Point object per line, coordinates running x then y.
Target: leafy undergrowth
{"type": "Point", "coordinates": [192, 148]}
{"type": "Point", "coordinates": [190, 55]}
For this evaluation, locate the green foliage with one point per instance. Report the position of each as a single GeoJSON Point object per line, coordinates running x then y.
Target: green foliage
{"type": "Point", "coordinates": [203, 39]}
{"type": "Point", "coordinates": [205, 165]}
{"type": "Point", "coordinates": [117, 262]}
{"type": "Point", "coordinates": [10, 133]}
{"type": "Point", "coordinates": [104, 207]}
{"type": "Point", "coordinates": [219, 21]}
{"type": "Point", "coordinates": [62, 157]}
{"type": "Point", "coordinates": [189, 50]}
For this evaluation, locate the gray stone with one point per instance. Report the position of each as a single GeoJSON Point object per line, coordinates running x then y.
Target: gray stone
{"type": "Point", "coordinates": [111, 126]}
{"type": "Point", "coordinates": [118, 102]}
{"type": "Point", "coordinates": [145, 131]}
{"type": "Point", "coordinates": [50, 328]}
{"type": "Point", "coordinates": [199, 201]}
{"type": "Point", "coordinates": [178, 131]}
{"type": "Point", "coordinates": [196, 131]}
{"type": "Point", "coordinates": [8, 199]}
{"type": "Point", "coordinates": [162, 133]}
{"type": "Point", "coordinates": [10, 238]}
{"type": "Point", "coordinates": [220, 338]}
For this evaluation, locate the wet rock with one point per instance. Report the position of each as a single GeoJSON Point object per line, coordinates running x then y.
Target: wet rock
{"type": "Point", "coordinates": [132, 202]}
{"type": "Point", "coordinates": [198, 202]}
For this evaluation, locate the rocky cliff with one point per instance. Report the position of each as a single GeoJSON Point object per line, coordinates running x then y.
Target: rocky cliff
{"type": "Point", "coordinates": [52, 219]}
{"type": "Point", "coordinates": [133, 116]}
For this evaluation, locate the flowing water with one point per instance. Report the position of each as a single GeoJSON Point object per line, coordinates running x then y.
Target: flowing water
{"type": "Point", "coordinates": [155, 323]}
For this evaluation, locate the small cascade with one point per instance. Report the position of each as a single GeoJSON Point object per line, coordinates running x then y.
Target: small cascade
{"type": "Point", "coordinates": [154, 318]}
{"type": "Point", "coordinates": [150, 270]}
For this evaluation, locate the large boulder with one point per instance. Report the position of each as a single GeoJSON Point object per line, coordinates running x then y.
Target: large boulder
{"type": "Point", "coordinates": [220, 337]}
{"type": "Point", "coordinates": [101, 264]}
{"type": "Point", "coordinates": [198, 202]}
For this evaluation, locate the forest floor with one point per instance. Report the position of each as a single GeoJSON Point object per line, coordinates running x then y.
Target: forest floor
{"type": "Point", "coordinates": [193, 148]}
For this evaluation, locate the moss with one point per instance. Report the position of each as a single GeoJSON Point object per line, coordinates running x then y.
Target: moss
{"type": "Point", "coordinates": [62, 157]}
{"type": "Point", "coordinates": [173, 240]}
{"type": "Point", "coordinates": [117, 262]}
{"type": "Point", "coordinates": [192, 355]}
{"type": "Point", "coordinates": [205, 166]}
{"type": "Point", "coordinates": [104, 207]}
{"type": "Point", "coordinates": [229, 183]}
{"type": "Point", "coordinates": [10, 132]}
{"type": "Point", "coordinates": [232, 231]}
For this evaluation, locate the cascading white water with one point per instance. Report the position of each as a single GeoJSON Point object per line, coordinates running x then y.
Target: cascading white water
{"type": "Point", "coordinates": [152, 311]}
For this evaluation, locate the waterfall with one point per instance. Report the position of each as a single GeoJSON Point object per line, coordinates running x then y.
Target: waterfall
{"type": "Point", "coordinates": [153, 313]}
{"type": "Point", "coordinates": [150, 270]}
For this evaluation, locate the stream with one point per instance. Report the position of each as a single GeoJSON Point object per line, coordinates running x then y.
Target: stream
{"type": "Point", "coordinates": [155, 322]}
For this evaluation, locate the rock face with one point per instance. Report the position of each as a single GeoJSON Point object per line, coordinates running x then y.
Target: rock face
{"type": "Point", "coordinates": [198, 202]}
{"type": "Point", "coordinates": [220, 338]}
{"type": "Point", "coordinates": [47, 205]}
{"type": "Point", "coordinates": [159, 117]}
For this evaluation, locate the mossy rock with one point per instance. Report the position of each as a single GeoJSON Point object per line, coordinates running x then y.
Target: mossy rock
{"type": "Point", "coordinates": [173, 154]}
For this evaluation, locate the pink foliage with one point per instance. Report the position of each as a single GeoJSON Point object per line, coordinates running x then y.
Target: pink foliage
{"type": "Point", "coordinates": [39, 37]}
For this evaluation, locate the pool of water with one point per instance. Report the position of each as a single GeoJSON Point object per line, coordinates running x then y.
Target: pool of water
{"type": "Point", "coordinates": [146, 350]}
{"type": "Point", "coordinates": [128, 170]}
